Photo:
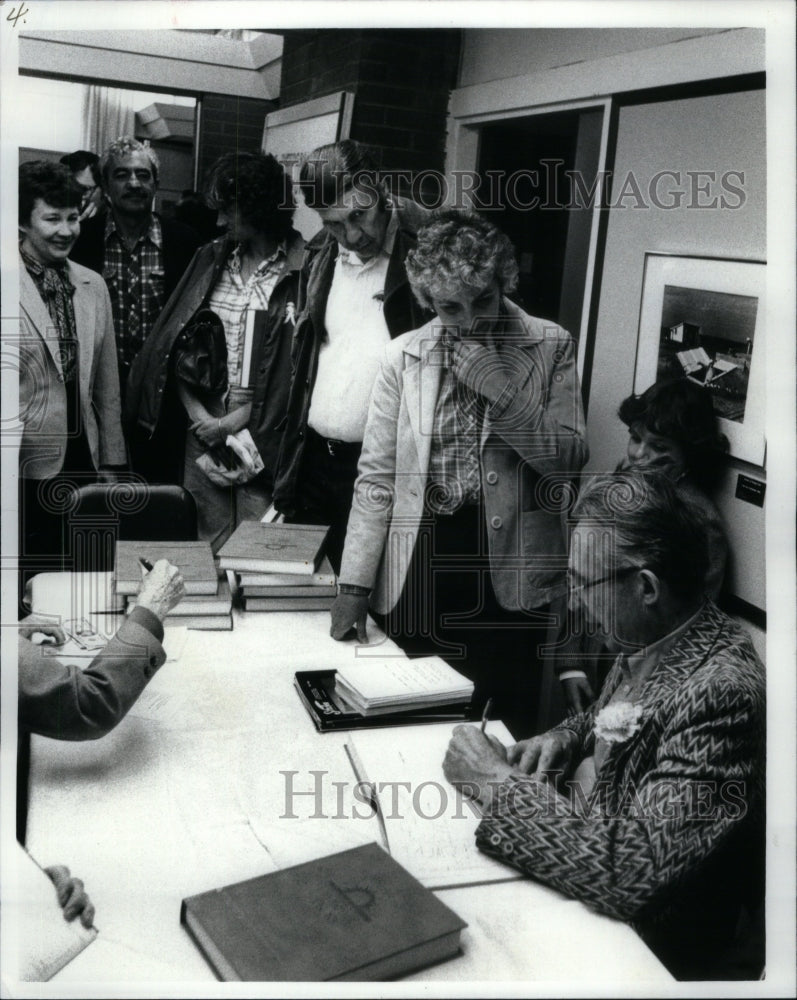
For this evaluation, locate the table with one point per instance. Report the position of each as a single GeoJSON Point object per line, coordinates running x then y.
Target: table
{"type": "Point", "coordinates": [186, 794]}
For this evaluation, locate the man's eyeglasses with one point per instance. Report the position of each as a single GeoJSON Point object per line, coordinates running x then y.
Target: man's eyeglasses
{"type": "Point", "coordinates": [573, 587]}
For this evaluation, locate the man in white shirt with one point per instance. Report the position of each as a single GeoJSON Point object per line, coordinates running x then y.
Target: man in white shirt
{"type": "Point", "coordinates": [354, 299]}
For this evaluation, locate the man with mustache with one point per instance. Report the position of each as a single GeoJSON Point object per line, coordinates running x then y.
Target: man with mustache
{"type": "Point", "coordinates": [354, 298]}
{"type": "Point", "coordinates": [140, 254]}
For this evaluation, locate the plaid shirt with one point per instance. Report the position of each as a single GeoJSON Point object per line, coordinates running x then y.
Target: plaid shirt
{"type": "Point", "coordinates": [454, 473]}
{"type": "Point", "coordinates": [231, 299]}
{"type": "Point", "coordinates": [135, 283]}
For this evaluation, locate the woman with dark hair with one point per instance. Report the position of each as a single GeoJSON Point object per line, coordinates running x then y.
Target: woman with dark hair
{"type": "Point", "coordinates": [672, 429]}
{"type": "Point", "coordinates": [237, 301]}
{"type": "Point", "coordinates": [450, 536]}
{"type": "Point", "coordinates": [68, 378]}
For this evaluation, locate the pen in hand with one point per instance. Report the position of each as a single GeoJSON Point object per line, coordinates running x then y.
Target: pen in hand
{"type": "Point", "coordinates": [486, 713]}
{"type": "Point", "coordinates": [145, 563]}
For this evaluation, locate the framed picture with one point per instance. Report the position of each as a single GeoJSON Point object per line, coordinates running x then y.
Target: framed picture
{"type": "Point", "coordinates": [703, 318]}
{"type": "Point", "coordinates": [291, 132]}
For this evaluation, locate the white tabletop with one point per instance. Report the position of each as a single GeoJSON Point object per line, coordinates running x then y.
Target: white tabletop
{"type": "Point", "coordinates": [190, 792]}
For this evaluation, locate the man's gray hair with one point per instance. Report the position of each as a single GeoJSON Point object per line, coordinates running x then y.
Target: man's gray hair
{"type": "Point", "coordinates": [124, 146]}
{"type": "Point", "coordinates": [653, 526]}
{"type": "Point", "coordinates": [329, 171]}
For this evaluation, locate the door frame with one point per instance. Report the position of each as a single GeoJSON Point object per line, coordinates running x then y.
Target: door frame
{"type": "Point", "coordinates": [462, 154]}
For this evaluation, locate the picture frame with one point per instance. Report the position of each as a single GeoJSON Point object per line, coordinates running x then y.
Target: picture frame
{"type": "Point", "coordinates": [704, 318]}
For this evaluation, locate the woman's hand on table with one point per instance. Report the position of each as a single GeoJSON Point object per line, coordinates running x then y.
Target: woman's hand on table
{"type": "Point", "coordinates": [349, 611]}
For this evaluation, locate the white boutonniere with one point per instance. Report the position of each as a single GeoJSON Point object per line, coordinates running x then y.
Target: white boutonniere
{"type": "Point", "coordinates": [618, 722]}
{"type": "Point", "coordinates": [290, 313]}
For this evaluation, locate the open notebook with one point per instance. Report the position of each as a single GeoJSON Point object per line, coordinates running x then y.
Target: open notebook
{"type": "Point", "coordinates": [46, 941]}
{"type": "Point", "coordinates": [426, 825]}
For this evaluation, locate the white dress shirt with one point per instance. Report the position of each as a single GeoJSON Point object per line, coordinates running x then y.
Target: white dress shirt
{"type": "Point", "coordinates": [349, 358]}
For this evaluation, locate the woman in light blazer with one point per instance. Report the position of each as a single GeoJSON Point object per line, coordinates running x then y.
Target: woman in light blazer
{"type": "Point", "coordinates": [452, 534]}
{"type": "Point", "coordinates": [69, 402]}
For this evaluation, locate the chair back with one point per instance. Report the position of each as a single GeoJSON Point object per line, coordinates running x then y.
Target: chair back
{"type": "Point", "coordinates": [102, 513]}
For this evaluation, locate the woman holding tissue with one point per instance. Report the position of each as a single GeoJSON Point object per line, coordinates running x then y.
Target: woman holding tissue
{"type": "Point", "coordinates": [217, 364]}
{"type": "Point", "coordinates": [452, 535]}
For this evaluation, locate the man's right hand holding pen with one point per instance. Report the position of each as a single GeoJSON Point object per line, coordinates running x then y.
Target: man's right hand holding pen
{"type": "Point", "coordinates": [162, 587]}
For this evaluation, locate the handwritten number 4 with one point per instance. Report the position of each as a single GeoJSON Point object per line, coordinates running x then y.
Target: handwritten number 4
{"type": "Point", "coordinates": [14, 17]}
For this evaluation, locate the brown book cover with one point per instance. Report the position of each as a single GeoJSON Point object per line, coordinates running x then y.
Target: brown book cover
{"type": "Point", "coordinates": [193, 559]}
{"type": "Point", "coordinates": [353, 916]}
{"type": "Point", "coordinates": [258, 547]}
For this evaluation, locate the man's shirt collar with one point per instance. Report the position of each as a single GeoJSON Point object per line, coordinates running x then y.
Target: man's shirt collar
{"type": "Point", "coordinates": [154, 233]}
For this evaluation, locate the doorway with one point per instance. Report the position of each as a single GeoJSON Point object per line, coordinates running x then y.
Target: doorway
{"type": "Point", "coordinates": [538, 175]}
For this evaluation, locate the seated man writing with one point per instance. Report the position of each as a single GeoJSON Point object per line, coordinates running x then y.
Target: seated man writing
{"type": "Point", "coordinates": [661, 819]}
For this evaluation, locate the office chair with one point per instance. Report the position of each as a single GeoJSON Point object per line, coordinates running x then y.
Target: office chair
{"type": "Point", "coordinates": [99, 514]}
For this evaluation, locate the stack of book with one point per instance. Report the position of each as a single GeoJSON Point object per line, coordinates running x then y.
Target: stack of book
{"type": "Point", "coordinates": [280, 567]}
{"type": "Point", "coordinates": [397, 684]}
{"type": "Point", "coordinates": [208, 600]}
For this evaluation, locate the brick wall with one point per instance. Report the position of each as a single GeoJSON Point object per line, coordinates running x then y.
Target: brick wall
{"type": "Point", "coordinates": [401, 80]}
{"type": "Point", "coordinates": [229, 123]}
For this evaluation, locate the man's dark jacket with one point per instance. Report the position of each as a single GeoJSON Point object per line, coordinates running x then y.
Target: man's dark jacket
{"type": "Point", "coordinates": [154, 419]}
{"type": "Point", "coordinates": [402, 313]}
{"type": "Point", "coordinates": [180, 243]}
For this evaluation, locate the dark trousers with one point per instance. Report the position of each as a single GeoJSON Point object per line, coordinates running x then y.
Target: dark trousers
{"type": "Point", "coordinates": [448, 608]}
{"type": "Point", "coordinates": [44, 525]}
{"type": "Point", "coordinates": [325, 488]}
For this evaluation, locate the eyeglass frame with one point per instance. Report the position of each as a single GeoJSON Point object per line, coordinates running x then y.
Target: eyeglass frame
{"type": "Point", "coordinates": [573, 588]}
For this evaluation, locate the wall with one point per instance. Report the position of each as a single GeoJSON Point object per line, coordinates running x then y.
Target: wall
{"type": "Point", "coordinates": [401, 80]}
{"type": "Point", "coordinates": [723, 132]}
{"type": "Point", "coordinates": [58, 121]}
{"type": "Point", "coordinates": [229, 123]}
{"type": "Point", "coordinates": [497, 54]}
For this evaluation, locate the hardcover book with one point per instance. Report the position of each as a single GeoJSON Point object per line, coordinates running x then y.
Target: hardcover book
{"type": "Point", "coordinates": [193, 559]}
{"type": "Point", "coordinates": [329, 712]}
{"type": "Point", "coordinates": [258, 547]}
{"type": "Point", "coordinates": [355, 916]}
{"type": "Point", "coordinates": [317, 603]}
{"type": "Point", "coordinates": [199, 604]}
{"type": "Point", "coordinates": [323, 577]}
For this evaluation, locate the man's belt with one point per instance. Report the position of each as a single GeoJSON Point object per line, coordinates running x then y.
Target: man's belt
{"type": "Point", "coordinates": [344, 450]}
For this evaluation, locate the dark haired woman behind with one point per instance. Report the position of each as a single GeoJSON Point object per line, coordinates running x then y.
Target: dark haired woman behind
{"type": "Point", "coordinates": [672, 428]}
{"type": "Point", "coordinates": [255, 266]}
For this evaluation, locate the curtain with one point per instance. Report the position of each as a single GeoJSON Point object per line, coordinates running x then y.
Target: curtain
{"type": "Point", "coordinates": [108, 113]}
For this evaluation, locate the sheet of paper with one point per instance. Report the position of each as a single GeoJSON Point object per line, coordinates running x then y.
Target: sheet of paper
{"type": "Point", "coordinates": [430, 826]}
